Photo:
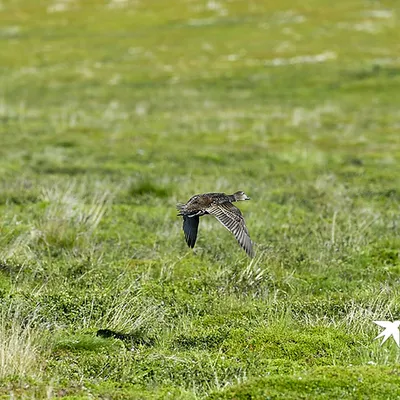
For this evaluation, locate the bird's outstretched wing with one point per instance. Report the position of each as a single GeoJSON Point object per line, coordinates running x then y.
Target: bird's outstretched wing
{"type": "Point", "coordinates": [231, 217]}
{"type": "Point", "coordinates": [190, 227]}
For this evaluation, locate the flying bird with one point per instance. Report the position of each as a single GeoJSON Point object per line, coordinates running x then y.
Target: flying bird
{"type": "Point", "coordinates": [220, 206]}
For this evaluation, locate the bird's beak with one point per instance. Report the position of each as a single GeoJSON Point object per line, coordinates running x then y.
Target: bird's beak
{"type": "Point", "coordinates": [247, 198]}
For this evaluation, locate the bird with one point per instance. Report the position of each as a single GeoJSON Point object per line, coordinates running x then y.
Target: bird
{"type": "Point", "coordinates": [220, 206]}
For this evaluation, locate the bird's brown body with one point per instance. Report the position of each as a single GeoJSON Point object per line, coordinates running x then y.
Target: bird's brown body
{"type": "Point", "coordinates": [220, 206]}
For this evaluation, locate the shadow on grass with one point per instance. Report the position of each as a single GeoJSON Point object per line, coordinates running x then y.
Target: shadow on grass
{"type": "Point", "coordinates": [132, 339]}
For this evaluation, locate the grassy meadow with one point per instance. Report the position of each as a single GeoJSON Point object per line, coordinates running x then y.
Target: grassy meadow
{"type": "Point", "coordinates": [113, 111]}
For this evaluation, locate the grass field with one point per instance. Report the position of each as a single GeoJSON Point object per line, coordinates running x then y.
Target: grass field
{"type": "Point", "coordinates": [113, 111]}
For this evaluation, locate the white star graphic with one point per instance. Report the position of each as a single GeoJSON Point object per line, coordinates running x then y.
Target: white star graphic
{"type": "Point", "coordinates": [391, 329]}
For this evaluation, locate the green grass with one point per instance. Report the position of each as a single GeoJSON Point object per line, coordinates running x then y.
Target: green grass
{"type": "Point", "coordinates": [111, 112]}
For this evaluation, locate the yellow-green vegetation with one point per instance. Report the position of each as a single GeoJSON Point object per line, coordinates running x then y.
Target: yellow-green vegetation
{"type": "Point", "coordinates": [112, 111]}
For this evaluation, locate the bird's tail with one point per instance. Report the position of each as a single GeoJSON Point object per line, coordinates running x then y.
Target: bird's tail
{"type": "Point", "coordinates": [180, 207]}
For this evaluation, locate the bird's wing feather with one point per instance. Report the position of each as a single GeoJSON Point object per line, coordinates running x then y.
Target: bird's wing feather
{"type": "Point", "coordinates": [231, 217]}
{"type": "Point", "coordinates": [190, 227]}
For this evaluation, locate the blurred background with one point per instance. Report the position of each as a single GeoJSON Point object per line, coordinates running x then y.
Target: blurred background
{"type": "Point", "coordinates": [112, 111]}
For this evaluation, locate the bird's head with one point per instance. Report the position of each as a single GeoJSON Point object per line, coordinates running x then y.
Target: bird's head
{"type": "Point", "coordinates": [240, 196]}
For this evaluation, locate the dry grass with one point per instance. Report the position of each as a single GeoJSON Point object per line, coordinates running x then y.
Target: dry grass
{"type": "Point", "coordinates": [24, 345]}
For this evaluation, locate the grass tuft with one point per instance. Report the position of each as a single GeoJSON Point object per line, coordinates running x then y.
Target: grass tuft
{"type": "Point", "coordinates": [70, 217]}
{"type": "Point", "coordinates": [23, 344]}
